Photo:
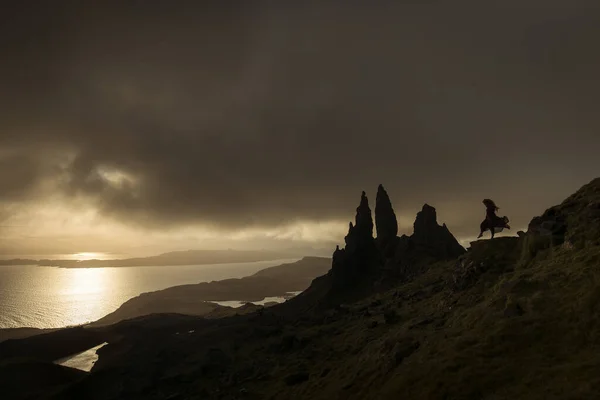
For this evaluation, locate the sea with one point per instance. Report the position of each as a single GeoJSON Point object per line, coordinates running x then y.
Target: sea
{"type": "Point", "coordinates": [52, 297]}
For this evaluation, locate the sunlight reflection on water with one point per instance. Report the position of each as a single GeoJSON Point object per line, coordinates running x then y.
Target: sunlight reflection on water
{"type": "Point", "coordinates": [49, 297]}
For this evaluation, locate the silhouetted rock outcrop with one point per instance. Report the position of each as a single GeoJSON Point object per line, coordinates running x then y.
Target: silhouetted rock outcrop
{"type": "Point", "coordinates": [575, 223]}
{"type": "Point", "coordinates": [360, 254]}
{"type": "Point", "coordinates": [385, 217]}
{"type": "Point", "coordinates": [361, 234]}
{"type": "Point", "coordinates": [496, 256]}
{"type": "Point", "coordinates": [435, 240]}
{"type": "Point", "coordinates": [366, 261]}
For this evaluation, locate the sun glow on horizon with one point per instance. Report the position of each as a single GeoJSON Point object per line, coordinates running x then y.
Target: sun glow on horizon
{"type": "Point", "coordinates": [89, 256]}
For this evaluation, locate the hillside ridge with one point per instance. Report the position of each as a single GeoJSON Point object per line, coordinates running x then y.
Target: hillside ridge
{"type": "Point", "coordinates": [395, 317]}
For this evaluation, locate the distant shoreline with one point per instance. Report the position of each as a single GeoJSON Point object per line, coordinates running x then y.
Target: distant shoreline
{"type": "Point", "coordinates": [197, 264]}
{"type": "Point", "coordinates": [285, 280]}
{"type": "Point", "coordinates": [179, 258]}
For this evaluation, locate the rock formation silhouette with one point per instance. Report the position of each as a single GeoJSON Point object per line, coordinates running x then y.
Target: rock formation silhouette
{"type": "Point", "coordinates": [388, 258]}
{"type": "Point", "coordinates": [385, 221]}
{"type": "Point", "coordinates": [360, 256]}
{"type": "Point", "coordinates": [385, 217]}
{"type": "Point", "coordinates": [433, 239]}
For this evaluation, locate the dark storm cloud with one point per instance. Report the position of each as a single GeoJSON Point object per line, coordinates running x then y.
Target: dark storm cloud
{"type": "Point", "coordinates": [260, 114]}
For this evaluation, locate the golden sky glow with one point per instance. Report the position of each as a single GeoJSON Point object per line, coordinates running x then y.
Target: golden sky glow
{"type": "Point", "coordinates": [81, 233]}
{"type": "Point", "coordinates": [129, 129]}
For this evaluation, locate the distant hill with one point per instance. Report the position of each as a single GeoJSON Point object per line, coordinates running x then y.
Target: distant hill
{"type": "Point", "coordinates": [18, 261]}
{"type": "Point", "coordinates": [189, 257]}
{"type": "Point", "coordinates": [196, 299]}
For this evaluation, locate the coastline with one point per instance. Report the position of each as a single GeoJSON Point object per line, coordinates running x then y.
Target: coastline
{"type": "Point", "coordinates": [193, 264]}
{"type": "Point", "coordinates": [176, 258]}
{"type": "Point", "coordinates": [200, 299]}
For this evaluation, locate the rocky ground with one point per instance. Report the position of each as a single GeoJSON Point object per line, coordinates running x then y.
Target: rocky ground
{"type": "Point", "coordinates": [396, 317]}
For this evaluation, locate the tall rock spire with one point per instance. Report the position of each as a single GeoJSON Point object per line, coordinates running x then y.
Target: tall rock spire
{"type": "Point", "coordinates": [360, 253]}
{"type": "Point", "coordinates": [385, 217]}
{"type": "Point", "coordinates": [361, 232]}
{"type": "Point", "coordinates": [364, 219]}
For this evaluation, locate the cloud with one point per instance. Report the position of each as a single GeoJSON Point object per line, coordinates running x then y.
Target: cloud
{"type": "Point", "coordinates": [269, 116]}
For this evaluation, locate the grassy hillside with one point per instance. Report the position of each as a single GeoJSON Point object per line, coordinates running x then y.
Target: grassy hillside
{"type": "Point", "coordinates": [512, 318]}
{"type": "Point", "coordinates": [528, 332]}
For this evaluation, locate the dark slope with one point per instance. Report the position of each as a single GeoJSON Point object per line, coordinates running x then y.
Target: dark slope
{"type": "Point", "coordinates": [48, 345]}
{"type": "Point", "coordinates": [34, 379]}
{"type": "Point", "coordinates": [195, 299]}
{"type": "Point", "coordinates": [509, 318]}
{"type": "Point", "coordinates": [21, 333]}
{"type": "Point", "coordinates": [51, 346]}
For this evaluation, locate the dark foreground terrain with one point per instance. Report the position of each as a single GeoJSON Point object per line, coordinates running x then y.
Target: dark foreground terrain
{"type": "Point", "coordinates": [199, 298]}
{"type": "Point", "coordinates": [396, 317]}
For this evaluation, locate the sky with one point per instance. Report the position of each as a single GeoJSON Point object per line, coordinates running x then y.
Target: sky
{"type": "Point", "coordinates": [145, 126]}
